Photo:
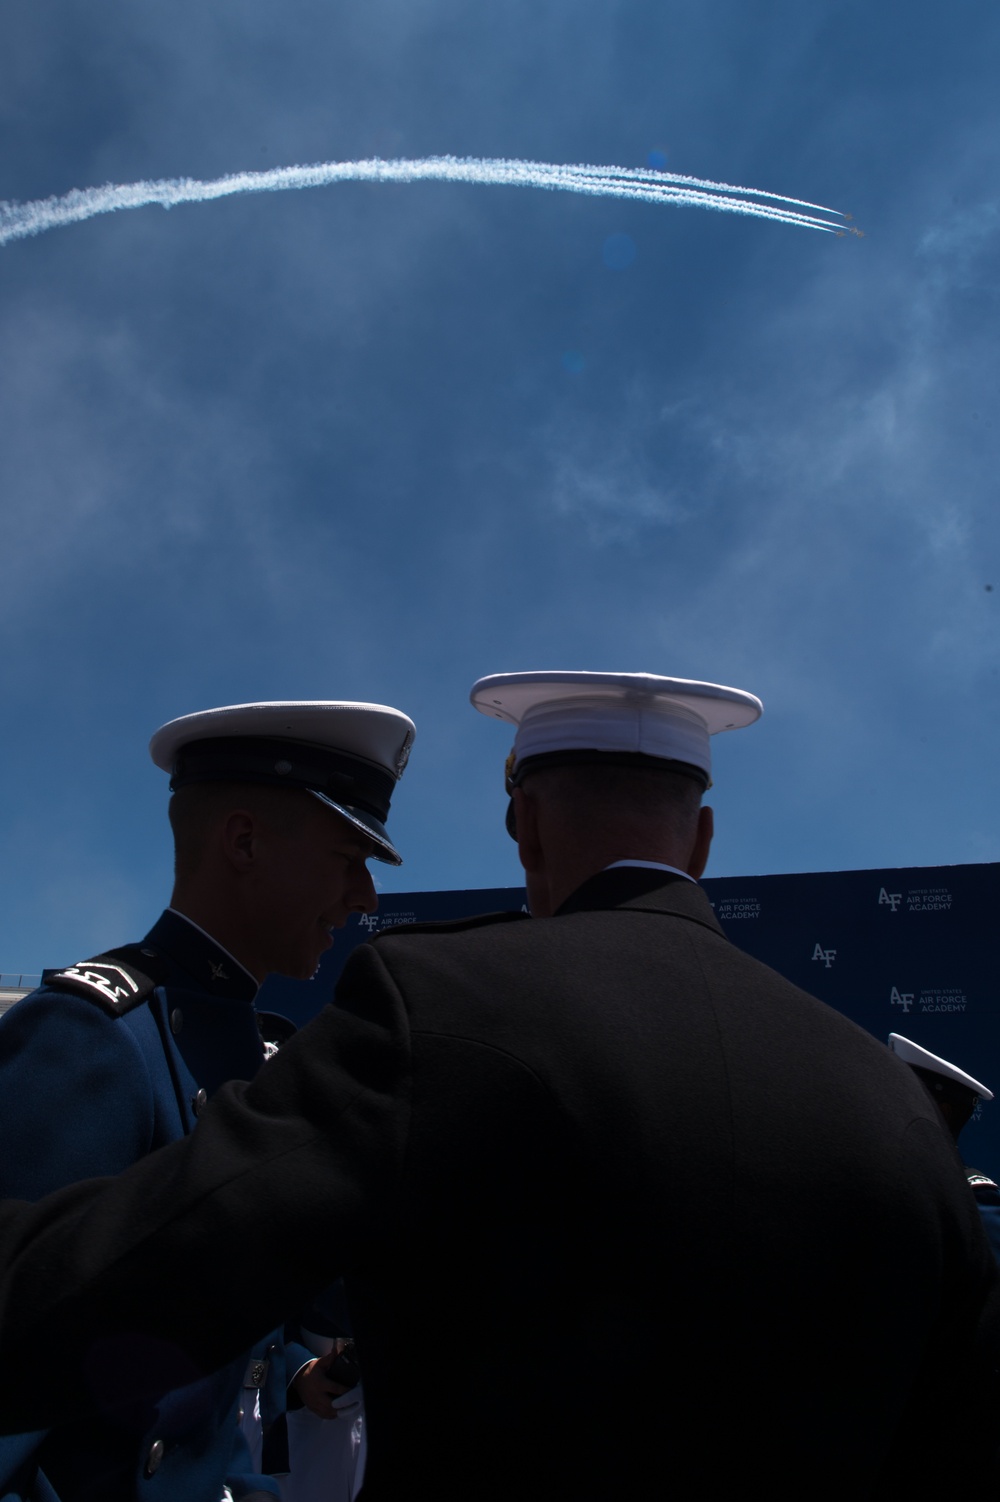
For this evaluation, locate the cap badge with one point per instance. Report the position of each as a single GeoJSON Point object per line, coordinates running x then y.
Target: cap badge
{"type": "Point", "coordinates": [404, 753]}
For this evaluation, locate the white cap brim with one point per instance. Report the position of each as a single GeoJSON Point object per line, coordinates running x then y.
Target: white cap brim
{"type": "Point", "coordinates": [922, 1058]}
{"type": "Point", "coordinates": [376, 732]}
{"type": "Point", "coordinates": [671, 719]}
{"type": "Point", "coordinates": [348, 755]}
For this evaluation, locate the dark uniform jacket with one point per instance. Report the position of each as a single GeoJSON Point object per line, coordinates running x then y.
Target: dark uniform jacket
{"type": "Point", "coordinates": [625, 1207]}
{"type": "Point", "coordinates": [98, 1069]}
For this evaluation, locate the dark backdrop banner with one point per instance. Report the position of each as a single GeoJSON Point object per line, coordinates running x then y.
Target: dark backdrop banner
{"type": "Point", "coordinates": [908, 950]}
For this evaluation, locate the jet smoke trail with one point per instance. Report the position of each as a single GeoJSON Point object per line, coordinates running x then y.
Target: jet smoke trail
{"type": "Point", "coordinates": [19, 220]}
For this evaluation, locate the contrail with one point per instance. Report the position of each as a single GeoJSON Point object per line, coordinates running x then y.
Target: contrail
{"type": "Point", "coordinates": [19, 220]}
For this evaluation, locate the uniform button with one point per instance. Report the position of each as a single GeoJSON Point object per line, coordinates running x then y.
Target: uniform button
{"type": "Point", "coordinates": [176, 1020]}
{"type": "Point", "coordinates": [157, 1450]}
{"type": "Point", "coordinates": [199, 1102]}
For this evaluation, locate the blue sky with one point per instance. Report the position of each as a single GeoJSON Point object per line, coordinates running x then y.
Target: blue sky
{"type": "Point", "coordinates": [373, 441]}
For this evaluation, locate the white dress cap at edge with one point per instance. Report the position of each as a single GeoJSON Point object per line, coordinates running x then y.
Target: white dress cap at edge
{"type": "Point", "coordinates": [921, 1058]}
{"type": "Point", "coordinates": [374, 731]}
{"type": "Point", "coordinates": [348, 755]}
{"type": "Point", "coordinates": [669, 718]}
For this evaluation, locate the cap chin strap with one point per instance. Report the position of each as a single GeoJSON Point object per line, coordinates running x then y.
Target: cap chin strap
{"type": "Point", "coordinates": [638, 760]}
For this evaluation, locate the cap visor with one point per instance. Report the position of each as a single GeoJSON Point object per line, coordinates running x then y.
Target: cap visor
{"type": "Point", "coordinates": [368, 824]}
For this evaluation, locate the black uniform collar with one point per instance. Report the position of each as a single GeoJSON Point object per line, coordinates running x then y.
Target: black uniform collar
{"type": "Point", "coordinates": [210, 968]}
{"type": "Point", "coordinates": [644, 890]}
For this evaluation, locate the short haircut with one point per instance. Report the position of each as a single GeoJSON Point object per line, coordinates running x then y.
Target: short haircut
{"type": "Point", "coordinates": [613, 796]}
{"type": "Point", "coordinates": [196, 810]}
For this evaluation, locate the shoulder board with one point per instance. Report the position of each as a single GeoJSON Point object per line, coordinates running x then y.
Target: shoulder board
{"type": "Point", "coordinates": [113, 981]}
{"type": "Point", "coordinates": [451, 926]}
{"type": "Point", "coordinates": [979, 1180]}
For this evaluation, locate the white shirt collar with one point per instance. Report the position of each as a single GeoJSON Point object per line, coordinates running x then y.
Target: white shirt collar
{"type": "Point", "coordinates": [652, 866]}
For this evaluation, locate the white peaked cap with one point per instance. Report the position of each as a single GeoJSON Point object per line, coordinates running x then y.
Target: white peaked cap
{"type": "Point", "coordinates": [347, 755]}
{"type": "Point", "coordinates": [921, 1058]}
{"type": "Point", "coordinates": [637, 713]}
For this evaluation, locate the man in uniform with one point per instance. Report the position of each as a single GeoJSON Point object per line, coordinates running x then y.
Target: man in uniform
{"type": "Point", "coordinates": [275, 810]}
{"type": "Point", "coordinates": [956, 1095]}
{"type": "Point", "coordinates": [655, 1220]}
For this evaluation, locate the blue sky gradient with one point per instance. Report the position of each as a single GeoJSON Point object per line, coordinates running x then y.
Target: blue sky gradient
{"type": "Point", "coordinates": [373, 441]}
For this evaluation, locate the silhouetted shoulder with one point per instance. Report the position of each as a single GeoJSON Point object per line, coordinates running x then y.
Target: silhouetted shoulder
{"type": "Point", "coordinates": [452, 926]}
{"type": "Point", "coordinates": [117, 982]}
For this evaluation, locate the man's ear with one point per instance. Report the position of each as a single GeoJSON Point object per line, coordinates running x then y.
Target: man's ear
{"type": "Point", "coordinates": [239, 838]}
{"type": "Point", "coordinates": [698, 859]}
{"type": "Point", "coordinates": [526, 818]}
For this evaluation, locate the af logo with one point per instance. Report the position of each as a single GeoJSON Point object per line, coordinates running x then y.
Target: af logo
{"type": "Point", "coordinates": [898, 998]}
{"type": "Point", "coordinates": [890, 900]}
{"type": "Point", "coordinates": [826, 955]}
{"type": "Point", "coordinates": [369, 922]}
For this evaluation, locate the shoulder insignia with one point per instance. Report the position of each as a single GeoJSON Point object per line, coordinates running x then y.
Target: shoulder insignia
{"type": "Point", "coordinates": [449, 926]}
{"type": "Point", "coordinates": [979, 1180]}
{"type": "Point", "coordinates": [113, 981]}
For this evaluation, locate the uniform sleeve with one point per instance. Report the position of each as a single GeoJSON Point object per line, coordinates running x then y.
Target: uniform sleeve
{"type": "Point", "coordinates": [75, 1095]}
{"type": "Point", "coordinates": [989, 1213]}
{"type": "Point", "coordinates": [244, 1483]}
{"type": "Point", "coordinates": [74, 1103]}
{"type": "Point", "coordinates": [296, 1354]}
{"type": "Point", "coordinates": [302, 1165]}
